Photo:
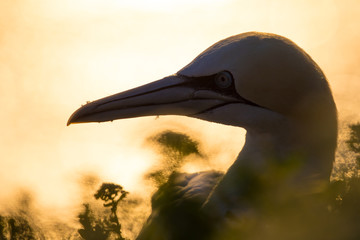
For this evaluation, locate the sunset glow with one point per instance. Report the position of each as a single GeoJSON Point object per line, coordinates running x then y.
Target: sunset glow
{"type": "Point", "coordinates": [56, 55]}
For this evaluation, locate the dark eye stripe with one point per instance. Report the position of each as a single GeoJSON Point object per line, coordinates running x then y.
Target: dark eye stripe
{"type": "Point", "coordinates": [209, 83]}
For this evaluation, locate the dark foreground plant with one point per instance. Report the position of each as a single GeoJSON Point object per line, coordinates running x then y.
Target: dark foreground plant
{"type": "Point", "coordinates": [103, 227]}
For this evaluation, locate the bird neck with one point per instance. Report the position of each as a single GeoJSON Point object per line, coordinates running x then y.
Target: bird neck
{"type": "Point", "coordinates": [296, 153]}
{"type": "Point", "coordinates": [273, 161]}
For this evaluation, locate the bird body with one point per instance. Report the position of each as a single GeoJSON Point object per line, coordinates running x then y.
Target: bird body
{"type": "Point", "coordinates": [177, 207]}
{"type": "Point", "coordinates": [259, 81]}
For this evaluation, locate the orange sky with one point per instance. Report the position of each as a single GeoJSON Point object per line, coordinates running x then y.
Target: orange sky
{"type": "Point", "coordinates": [55, 55]}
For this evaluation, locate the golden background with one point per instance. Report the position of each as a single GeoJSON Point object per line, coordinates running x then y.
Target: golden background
{"type": "Point", "coordinates": [56, 55]}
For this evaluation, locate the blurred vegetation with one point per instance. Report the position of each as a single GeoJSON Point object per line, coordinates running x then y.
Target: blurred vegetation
{"type": "Point", "coordinates": [330, 214]}
{"type": "Point", "coordinates": [20, 223]}
{"type": "Point", "coordinates": [174, 147]}
{"type": "Point", "coordinates": [17, 227]}
{"type": "Point", "coordinates": [354, 142]}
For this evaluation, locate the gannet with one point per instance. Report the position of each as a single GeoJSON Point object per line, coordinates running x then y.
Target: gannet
{"type": "Point", "coordinates": [261, 82]}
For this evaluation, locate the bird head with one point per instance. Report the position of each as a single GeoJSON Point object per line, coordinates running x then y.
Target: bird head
{"type": "Point", "coordinates": [259, 81]}
{"type": "Point", "coordinates": [247, 77]}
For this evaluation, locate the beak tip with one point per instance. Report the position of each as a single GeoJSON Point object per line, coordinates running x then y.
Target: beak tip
{"type": "Point", "coordinates": [74, 117]}
{"type": "Point", "coordinates": [71, 120]}
{"type": "Point", "coordinates": [82, 114]}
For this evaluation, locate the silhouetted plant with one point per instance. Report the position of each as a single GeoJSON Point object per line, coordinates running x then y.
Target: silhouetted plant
{"type": "Point", "coordinates": [93, 229]}
{"type": "Point", "coordinates": [112, 194]}
{"type": "Point", "coordinates": [103, 227]}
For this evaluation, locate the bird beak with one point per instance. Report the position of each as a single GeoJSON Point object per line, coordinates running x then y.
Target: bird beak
{"type": "Point", "coordinates": [173, 95]}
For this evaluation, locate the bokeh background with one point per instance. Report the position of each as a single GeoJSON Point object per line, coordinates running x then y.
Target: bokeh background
{"type": "Point", "coordinates": [56, 55]}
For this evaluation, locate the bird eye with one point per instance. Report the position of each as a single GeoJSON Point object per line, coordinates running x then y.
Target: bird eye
{"type": "Point", "coordinates": [223, 79]}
